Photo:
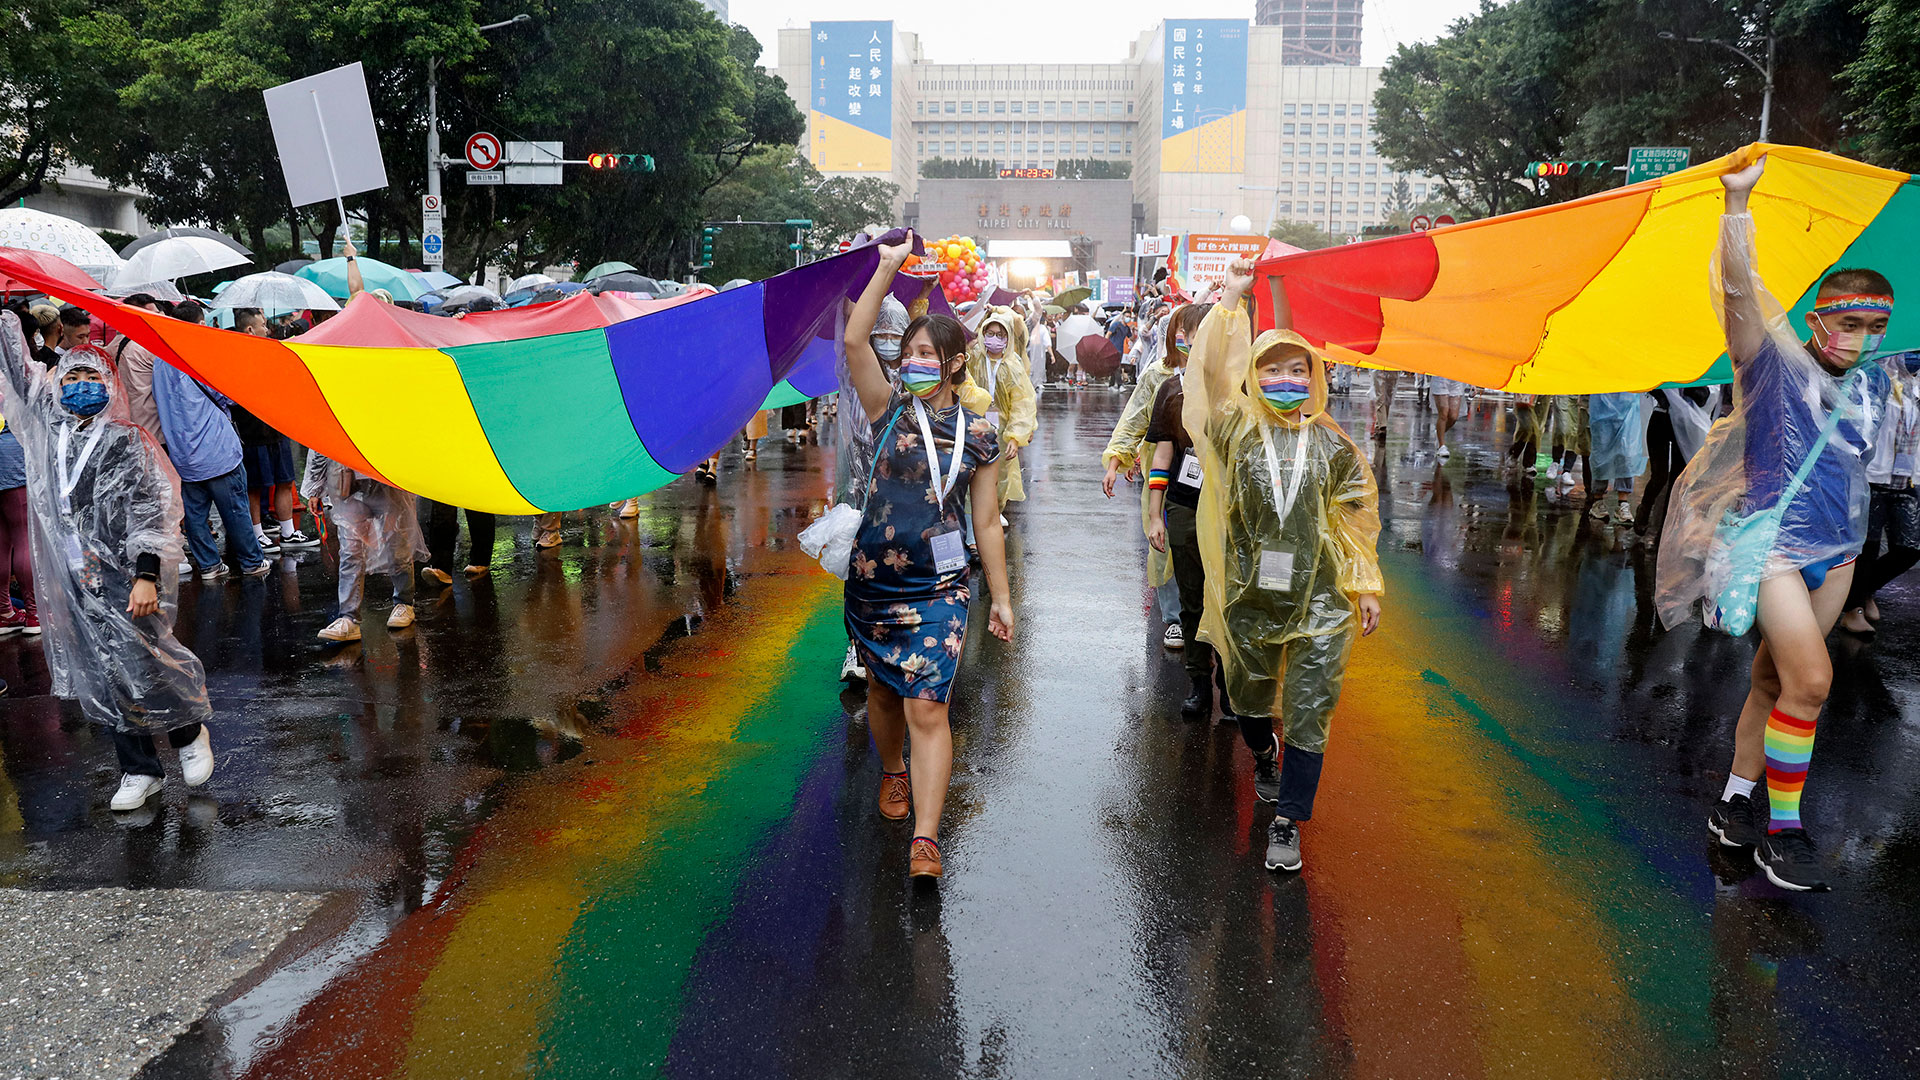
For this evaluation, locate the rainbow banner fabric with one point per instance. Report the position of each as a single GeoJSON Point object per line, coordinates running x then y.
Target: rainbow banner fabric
{"type": "Point", "coordinates": [1607, 293]}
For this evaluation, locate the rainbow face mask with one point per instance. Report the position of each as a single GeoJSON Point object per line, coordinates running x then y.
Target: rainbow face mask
{"type": "Point", "coordinates": [1284, 392]}
{"type": "Point", "coordinates": [921, 377]}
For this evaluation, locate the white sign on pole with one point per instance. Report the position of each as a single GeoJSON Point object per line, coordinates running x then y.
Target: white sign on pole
{"type": "Point", "coordinates": [430, 204]}
{"type": "Point", "coordinates": [494, 177]}
{"type": "Point", "coordinates": [323, 128]}
{"type": "Point", "coordinates": [433, 246]}
{"type": "Point", "coordinates": [1155, 247]}
{"type": "Point", "coordinates": [534, 162]}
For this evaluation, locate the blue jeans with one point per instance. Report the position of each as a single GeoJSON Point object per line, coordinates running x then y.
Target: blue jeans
{"type": "Point", "coordinates": [226, 493]}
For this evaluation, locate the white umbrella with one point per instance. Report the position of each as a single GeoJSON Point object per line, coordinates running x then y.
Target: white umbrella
{"type": "Point", "coordinates": [274, 291]}
{"type": "Point", "coordinates": [177, 257]}
{"type": "Point", "coordinates": [527, 281]}
{"type": "Point", "coordinates": [36, 230]}
{"type": "Point", "coordinates": [159, 290]}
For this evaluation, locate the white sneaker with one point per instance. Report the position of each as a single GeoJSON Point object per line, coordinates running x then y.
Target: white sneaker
{"type": "Point", "coordinates": [1567, 481]}
{"type": "Point", "coordinates": [196, 759]}
{"type": "Point", "coordinates": [341, 629]}
{"type": "Point", "coordinates": [134, 791]}
{"type": "Point", "coordinates": [186, 568]}
{"type": "Point", "coordinates": [1443, 453]}
{"type": "Point", "coordinates": [1623, 514]}
{"type": "Point", "coordinates": [1173, 638]}
{"type": "Point", "coordinates": [850, 670]}
{"type": "Point", "coordinates": [401, 617]}
{"type": "Point", "coordinates": [299, 541]}
{"type": "Point", "coordinates": [1553, 471]}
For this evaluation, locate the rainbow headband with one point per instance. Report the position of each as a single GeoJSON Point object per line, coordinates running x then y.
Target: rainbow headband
{"type": "Point", "coordinates": [1874, 302]}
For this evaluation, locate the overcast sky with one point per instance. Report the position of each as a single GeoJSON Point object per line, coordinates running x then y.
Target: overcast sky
{"type": "Point", "coordinates": [1025, 31]}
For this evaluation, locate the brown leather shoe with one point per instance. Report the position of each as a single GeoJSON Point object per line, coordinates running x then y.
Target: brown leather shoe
{"type": "Point", "coordinates": [896, 796]}
{"type": "Point", "coordinates": [923, 859]}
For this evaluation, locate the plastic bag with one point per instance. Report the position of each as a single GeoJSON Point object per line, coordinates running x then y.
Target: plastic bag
{"type": "Point", "coordinates": [830, 539]}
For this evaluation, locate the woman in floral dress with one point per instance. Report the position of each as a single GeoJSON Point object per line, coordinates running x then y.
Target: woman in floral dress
{"type": "Point", "coordinates": [907, 592]}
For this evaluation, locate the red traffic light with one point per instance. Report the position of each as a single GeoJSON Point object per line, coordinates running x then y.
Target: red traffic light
{"type": "Point", "coordinates": [599, 161]}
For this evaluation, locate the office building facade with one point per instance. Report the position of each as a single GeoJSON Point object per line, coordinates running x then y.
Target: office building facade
{"type": "Point", "coordinates": [1315, 31]}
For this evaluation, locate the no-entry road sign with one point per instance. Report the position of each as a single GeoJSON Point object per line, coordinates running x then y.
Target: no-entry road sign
{"type": "Point", "coordinates": [483, 150]}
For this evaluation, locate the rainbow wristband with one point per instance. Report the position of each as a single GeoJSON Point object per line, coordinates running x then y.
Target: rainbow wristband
{"type": "Point", "coordinates": [1157, 479]}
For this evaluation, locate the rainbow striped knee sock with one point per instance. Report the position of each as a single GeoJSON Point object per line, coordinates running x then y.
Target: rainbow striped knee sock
{"type": "Point", "coordinates": [1789, 749]}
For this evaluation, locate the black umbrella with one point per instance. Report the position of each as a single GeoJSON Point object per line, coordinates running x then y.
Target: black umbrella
{"type": "Point", "coordinates": [625, 281]}
{"type": "Point", "coordinates": [292, 266]}
{"type": "Point", "coordinates": [183, 230]}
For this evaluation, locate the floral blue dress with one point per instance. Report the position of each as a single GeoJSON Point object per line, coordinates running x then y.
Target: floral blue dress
{"type": "Point", "coordinates": [909, 620]}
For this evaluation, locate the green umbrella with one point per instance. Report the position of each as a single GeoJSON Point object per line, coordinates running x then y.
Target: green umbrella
{"type": "Point", "coordinates": [606, 268]}
{"type": "Point", "coordinates": [1073, 296]}
{"type": "Point", "coordinates": [1053, 309]}
{"type": "Point", "coordinates": [331, 275]}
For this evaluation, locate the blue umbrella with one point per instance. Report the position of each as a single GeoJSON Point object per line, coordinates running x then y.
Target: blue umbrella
{"type": "Point", "coordinates": [437, 279]}
{"type": "Point", "coordinates": [331, 275]}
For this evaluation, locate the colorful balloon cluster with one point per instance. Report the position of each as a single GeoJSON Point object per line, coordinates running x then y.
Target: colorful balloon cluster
{"type": "Point", "coordinates": [965, 276]}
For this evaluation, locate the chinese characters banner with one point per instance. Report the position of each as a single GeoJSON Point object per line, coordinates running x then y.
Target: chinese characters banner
{"type": "Point", "coordinates": [1203, 96]}
{"type": "Point", "coordinates": [850, 104]}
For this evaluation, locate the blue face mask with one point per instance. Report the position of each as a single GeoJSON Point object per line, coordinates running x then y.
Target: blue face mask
{"type": "Point", "coordinates": [886, 348]}
{"type": "Point", "coordinates": [84, 398]}
{"type": "Point", "coordinates": [1912, 362]}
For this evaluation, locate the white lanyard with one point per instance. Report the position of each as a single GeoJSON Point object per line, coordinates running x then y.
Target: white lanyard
{"type": "Point", "coordinates": [1285, 503]}
{"type": "Point", "coordinates": [933, 456]}
{"type": "Point", "coordinates": [69, 479]}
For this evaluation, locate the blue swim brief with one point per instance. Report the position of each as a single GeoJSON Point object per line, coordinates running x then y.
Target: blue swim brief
{"type": "Point", "coordinates": [1816, 574]}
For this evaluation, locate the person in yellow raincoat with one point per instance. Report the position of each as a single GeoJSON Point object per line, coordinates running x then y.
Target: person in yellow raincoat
{"type": "Point", "coordinates": [996, 362]}
{"type": "Point", "coordinates": [1128, 453]}
{"type": "Point", "coordinates": [1288, 522]}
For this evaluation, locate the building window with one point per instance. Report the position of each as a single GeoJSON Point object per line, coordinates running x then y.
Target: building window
{"type": "Point", "coordinates": [950, 148]}
{"type": "Point", "coordinates": [1046, 128]}
{"type": "Point", "coordinates": [1359, 130]}
{"type": "Point", "coordinates": [1286, 110]}
{"type": "Point", "coordinates": [1319, 208]}
{"type": "Point", "coordinates": [1372, 168]}
{"type": "Point", "coordinates": [967, 129]}
{"type": "Point", "coordinates": [1033, 107]}
{"type": "Point", "coordinates": [1047, 147]}
{"type": "Point", "coordinates": [949, 108]}
{"type": "Point", "coordinates": [1049, 108]}
{"type": "Point", "coordinates": [1286, 168]}
{"type": "Point", "coordinates": [1079, 148]}
{"type": "Point", "coordinates": [1339, 150]}
{"type": "Point", "coordinates": [1319, 189]}
{"type": "Point", "coordinates": [1000, 128]}
{"type": "Point", "coordinates": [1099, 108]}
{"type": "Point", "coordinates": [1319, 168]}
{"type": "Point", "coordinates": [1323, 110]}
{"type": "Point", "coordinates": [1129, 147]}
{"type": "Point", "coordinates": [1420, 190]}
{"type": "Point", "coordinates": [1286, 189]}
{"type": "Point", "coordinates": [923, 149]}
{"type": "Point", "coordinates": [1323, 131]}
{"type": "Point", "coordinates": [1085, 107]}
{"type": "Point", "coordinates": [1099, 129]}
{"type": "Point", "coordinates": [1129, 108]}
{"type": "Point", "coordinates": [1016, 106]}
{"type": "Point", "coordinates": [965, 107]}
{"type": "Point", "coordinates": [1353, 208]}
{"type": "Point", "coordinates": [1286, 129]}
{"type": "Point", "coordinates": [1033, 148]}
{"type": "Point", "coordinates": [999, 106]}
{"type": "Point", "coordinates": [922, 110]}
{"type": "Point", "coordinates": [1286, 149]}
{"type": "Point", "coordinates": [1354, 149]}
{"type": "Point", "coordinates": [966, 147]}
{"type": "Point", "coordinates": [1080, 128]}
{"type": "Point", "coordinates": [1339, 110]}
{"type": "Point", "coordinates": [1320, 150]}
{"type": "Point", "coordinates": [1369, 190]}
{"type": "Point", "coordinates": [999, 147]}
{"type": "Point", "coordinates": [1368, 207]}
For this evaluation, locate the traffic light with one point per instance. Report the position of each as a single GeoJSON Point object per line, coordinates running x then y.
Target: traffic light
{"type": "Point", "coordinates": [799, 223]}
{"type": "Point", "coordinates": [707, 237]}
{"type": "Point", "coordinates": [1566, 168]}
{"type": "Point", "coordinates": [623, 162]}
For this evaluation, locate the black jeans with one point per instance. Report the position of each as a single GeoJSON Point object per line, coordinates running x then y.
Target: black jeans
{"type": "Point", "coordinates": [137, 754]}
{"type": "Point", "coordinates": [443, 535]}
{"type": "Point", "coordinates": [1894, 514]}
{"type": "Point", "coordinates": [1664, 464]}
{"type": "Point", "coordinates": [1183, 546]}
{"type": "Point", "coordinates": [1299, 769]}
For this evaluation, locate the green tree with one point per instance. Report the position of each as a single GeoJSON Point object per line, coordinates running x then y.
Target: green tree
{"type": "Point", "coordinates": [845, 206]}
{"type": "Point", "coordinates": [1092, 169]}
{"type": "Point", "coordinates": [939, 168]}
{"type": "Point", "coordinates": [1886, 82]}
{"type": "Point", "coordinates": [54, 90]}
{"type": "Point", "coordinates": [1302, 234]}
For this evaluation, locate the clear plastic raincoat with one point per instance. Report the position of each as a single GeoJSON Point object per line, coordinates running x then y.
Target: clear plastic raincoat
{"type": "Point", "coordinates": [1289, 519]}
{"type": "Point", "coordinates": [1617, 432]}
{"type": "Point", "coordinates": [378, 525]}
{"type": "Point", "coordinates": [1010, 388]}
{"type": "Point", "coordinates": [102, 494]}
{"type": "Point", "coordinates": [1127, 449]}
{"type": "Point", "coordinates": [1728, 527]}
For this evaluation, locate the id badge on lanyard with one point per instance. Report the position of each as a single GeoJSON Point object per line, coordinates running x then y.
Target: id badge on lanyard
{"type": "Point", "coordinates": [1276, 562]}
{"type": "Point", "coordinates": [1190, 473]}
{"type": "Point", "coordinates": [949, 545]}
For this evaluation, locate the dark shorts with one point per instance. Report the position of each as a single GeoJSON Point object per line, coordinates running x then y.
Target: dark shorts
{"type": "Point", "coordinates": [270, 464]}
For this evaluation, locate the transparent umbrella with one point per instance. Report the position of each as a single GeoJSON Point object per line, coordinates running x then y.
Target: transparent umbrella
{"type": "Point", "coordinates": [35, 230]}
{"type": "Point", "coordinates": [274, 291]}
{"type": "Point", "coordinates": [529, 281]}
{"type": "Point", "coordinates": [158, 235]}
{"type": "Point", "coordinates": [159, 290]}
{"type": "Point", "coordinates": [467, 294]}
{"type": "Point", "coordinates": [176, 257]}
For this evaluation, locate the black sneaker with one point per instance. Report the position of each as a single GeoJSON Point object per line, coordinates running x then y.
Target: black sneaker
{"type": "Point", "coordinates": [1199, 703]}
{"type": "Point", "coordinates": [1266, 774]}
{"type": "Point", "coordinates": [1788, 858]}
{"type": "Point", "coordinates": [1736, 822]}
{"type": "Point", "coordinates": [1283, 845]}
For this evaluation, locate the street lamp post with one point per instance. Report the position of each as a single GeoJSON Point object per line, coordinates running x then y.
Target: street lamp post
{"type": "Point", "coordinates": [1273, 205]}
{"type": "Point", "coordinates": [434, 161]}
{"type": "Point", "coordinates": [1765, 70]}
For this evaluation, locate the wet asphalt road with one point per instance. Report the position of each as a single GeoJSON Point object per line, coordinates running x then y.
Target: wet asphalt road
{"type": "Point", "coordinates": [609, 814]}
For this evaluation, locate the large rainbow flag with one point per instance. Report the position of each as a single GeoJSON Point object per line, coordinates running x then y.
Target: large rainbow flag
{"type": "Point", "coordinates": [554, 407]}
{"type": "Point", "coordinates": [1606, 293]}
